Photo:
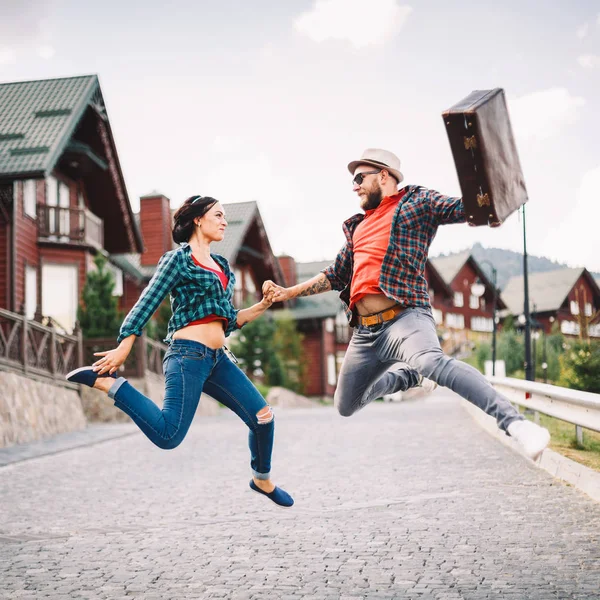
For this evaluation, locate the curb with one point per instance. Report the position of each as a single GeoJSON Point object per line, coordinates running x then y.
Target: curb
{"type": "Point", "coordinates": [579, 476]}
{"type": "Point", "coordinates": [93, 434]}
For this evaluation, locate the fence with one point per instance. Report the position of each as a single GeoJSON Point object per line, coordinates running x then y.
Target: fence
{"type": "Point", "coordinates": [146, 355]}
{"type": "Point", "coordinates": [582, 409]}
{"type": "Point", "coordinates": [32, 348]}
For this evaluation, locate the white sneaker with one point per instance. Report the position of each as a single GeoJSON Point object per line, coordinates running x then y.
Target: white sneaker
{"type": "Point", "coordinates": [532, 438]}
{"type": "Point", "coordinates": [426, 384]}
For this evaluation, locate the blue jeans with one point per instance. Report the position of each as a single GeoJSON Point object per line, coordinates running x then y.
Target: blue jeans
{"type": "Point", "coordinates": [389, 357]}
{"type": "Point", "coordinates": [191, 368]}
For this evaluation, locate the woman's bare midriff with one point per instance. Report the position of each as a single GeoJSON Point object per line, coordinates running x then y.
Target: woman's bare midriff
{"type": "Point", "coordinates": [210, 334]}
{"type": "Point", "coordinates": [373, 303]}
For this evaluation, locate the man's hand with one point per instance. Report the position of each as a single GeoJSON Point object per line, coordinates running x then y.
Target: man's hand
{"type": "Point", "coordinates": [278, 293]}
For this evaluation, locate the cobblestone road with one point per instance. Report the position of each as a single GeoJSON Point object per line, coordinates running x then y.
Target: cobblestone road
{"type": "Point", "coordinates": [407, 500]}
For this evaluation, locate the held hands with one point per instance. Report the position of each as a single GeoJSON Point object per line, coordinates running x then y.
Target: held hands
{"type": "Point", "coordinates": [277, 293]}
{"type": "Point", "coordinates": [111, 361]}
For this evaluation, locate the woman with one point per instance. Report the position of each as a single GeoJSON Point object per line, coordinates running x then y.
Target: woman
{"type": "Point", "coordinates": [201, 285]}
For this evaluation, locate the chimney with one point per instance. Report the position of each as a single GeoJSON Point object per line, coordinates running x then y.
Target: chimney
{"type": "Point", "coordinates": [155, 222]}
{"type": "Point", "coordinates": [288, 266]}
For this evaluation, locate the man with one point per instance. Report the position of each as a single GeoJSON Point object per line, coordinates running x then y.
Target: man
{"type": "Point", "coordinates": [379, 273]}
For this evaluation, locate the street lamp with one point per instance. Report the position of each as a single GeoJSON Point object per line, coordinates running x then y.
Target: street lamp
{"type": "Point", "coordinates": [529, 375]}
{"type": "Point", "coordinates": [478, 289]}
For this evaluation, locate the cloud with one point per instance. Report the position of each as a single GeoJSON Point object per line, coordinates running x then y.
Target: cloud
{"type": "Point", "coordinates": [227, 144]}
{"type": "Point", "coordinates": [543, 114]}
{"type": "Point", "coordinates": [578, 226]}
{"type": "Point", "coordinates": [46, 52]}
{"type": "Point", "coordinates": [360, 22]}
{"type": "Point", "coordinates": [589, 61]}
{"type": "Point", "coordinates": [25, 26]}
{"type": "Point", "coordinates": [583, 31]}
{"type": "Point", "coordinates": [7, 56]}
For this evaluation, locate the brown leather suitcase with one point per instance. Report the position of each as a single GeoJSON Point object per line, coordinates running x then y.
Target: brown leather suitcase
{"type": "Point", "coordinates": [485, 155]}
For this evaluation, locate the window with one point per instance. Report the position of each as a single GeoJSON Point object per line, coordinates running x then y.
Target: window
{"type": "Point", "coordinates": [30, 291]}
{"type": "Point", "coordinates": [60, 294]}
{"type": "Point", "coordinates": [482, 324]}
{"type": "Point", "coordinates": [574, 307]}
{"type": "Point", "coordinates": [458, 299]}
{"type": "Point", "coordinates": [431, 294]}
{"type": "Point", "coordinates": [455, 321]}
{"type": "Point", "coordinates": [569, 327]}
{"type": "Point", "coordinates": [473, 301]}
{"type": "Point", "coordinates": [29, 199]}
{"type": "Point", "coordinates": [588, 309]}
{"type": "Point", "coordinates": [594, 330]}
{"type": "Point", "coordinates": [438, 316]}
{"type": "Point", "coordinates": [329, 325]}
{"type": "Point", "coordinates": [482, 302]}
{"type": "Point", "coordinates": [238, 301]}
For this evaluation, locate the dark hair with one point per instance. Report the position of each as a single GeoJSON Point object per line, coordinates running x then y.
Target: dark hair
{"type": "Point", "coordinates": [194, 206]}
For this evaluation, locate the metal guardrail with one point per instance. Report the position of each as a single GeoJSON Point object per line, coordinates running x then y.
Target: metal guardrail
{"type": "Point", "coordinates": [573, 406]}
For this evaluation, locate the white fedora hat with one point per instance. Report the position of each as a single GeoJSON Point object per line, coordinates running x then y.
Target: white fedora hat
{"type": "Point", "coordinates": [382, 159]}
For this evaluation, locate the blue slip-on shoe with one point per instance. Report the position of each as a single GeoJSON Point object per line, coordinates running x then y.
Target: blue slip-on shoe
{"type": "Point", "coordinates": [279, 496]}
{"type": "Point", "coordinates": [86, 375]}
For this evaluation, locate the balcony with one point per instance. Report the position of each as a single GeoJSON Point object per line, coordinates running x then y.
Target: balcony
{"type": "Point", "coordinates": [70, 226]}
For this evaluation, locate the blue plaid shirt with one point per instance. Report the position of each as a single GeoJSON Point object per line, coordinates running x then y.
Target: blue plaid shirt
{"type": "Point", "coordinates": [195, 293]}
{"type": "Point", "coordinates": [414, 225]}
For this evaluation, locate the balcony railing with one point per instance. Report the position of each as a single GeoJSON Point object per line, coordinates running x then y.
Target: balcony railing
{"type": "Point", "coordinates": [66, 224]}
{"type": "Point", "coordinates": [29, 347]}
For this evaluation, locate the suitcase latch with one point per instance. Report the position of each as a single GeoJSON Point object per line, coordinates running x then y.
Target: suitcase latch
{"type": "Point", "coordinates": [470, 142]}
{"type": "Point", "coordinates": [483, 200]}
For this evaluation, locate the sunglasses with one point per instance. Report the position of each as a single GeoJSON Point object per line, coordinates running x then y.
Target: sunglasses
{"type": "Point", "coordinates": [360, 177]}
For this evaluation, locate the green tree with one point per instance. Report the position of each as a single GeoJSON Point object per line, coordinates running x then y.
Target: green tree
{"type": "Point", "coordinates": [510, 348]}
{"type": "Point", "coordinates": [99, 316]}
{"type": "Point", "coordinates": [580, 367]}
{"type": "Point", "coordinates": [288, 345]}
{"type": "Point", "coordinates": [273, 347]}
{"type": "Point", "coordinates": [254, 346]}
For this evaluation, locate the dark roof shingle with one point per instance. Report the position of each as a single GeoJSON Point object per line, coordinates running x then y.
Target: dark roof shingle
{"type": "Point", "coordinates": [37, 119]}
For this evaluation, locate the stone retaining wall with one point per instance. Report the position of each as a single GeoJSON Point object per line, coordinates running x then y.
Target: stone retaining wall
{"type": "Point", "coordinates": [31, 409]}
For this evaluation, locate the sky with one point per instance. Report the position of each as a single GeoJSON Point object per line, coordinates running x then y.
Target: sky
{"type": "Point", "coordinates": [269, 100]}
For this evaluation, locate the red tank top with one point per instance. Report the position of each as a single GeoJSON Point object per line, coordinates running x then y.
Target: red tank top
{"type": "Point", "coordinates": [224, 281]}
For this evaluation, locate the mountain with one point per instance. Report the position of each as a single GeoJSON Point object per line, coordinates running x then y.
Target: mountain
{"type": "Point", "coordinates": [509, 263]}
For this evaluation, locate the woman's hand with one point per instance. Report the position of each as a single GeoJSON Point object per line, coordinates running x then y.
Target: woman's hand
{"type": "Point", "coordinates": [278, 293]}
{"type": "Point", "coordinates": [111, 360]}
{"type": "Point", "coordinates": [267, 299]}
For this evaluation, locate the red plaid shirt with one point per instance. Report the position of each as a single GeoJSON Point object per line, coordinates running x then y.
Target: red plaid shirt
{"type": "Point", "coordinates": [414, 226]}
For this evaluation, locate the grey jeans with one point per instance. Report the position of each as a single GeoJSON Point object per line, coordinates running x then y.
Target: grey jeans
{"type": "Point", "coordinates": [389, 357]}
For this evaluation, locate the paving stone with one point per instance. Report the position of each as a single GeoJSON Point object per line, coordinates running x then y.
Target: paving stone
{"type": "Point", "coordinates": [404, 500]}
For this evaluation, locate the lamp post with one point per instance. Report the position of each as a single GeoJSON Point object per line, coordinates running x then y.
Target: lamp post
{"type": "Point", "coordinates": [478, 289]}
{"type": "Point", "coordinates": [529, 375]}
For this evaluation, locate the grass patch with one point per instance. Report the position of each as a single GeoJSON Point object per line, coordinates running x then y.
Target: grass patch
{"type": "Point", "coordinates": [564, 441]}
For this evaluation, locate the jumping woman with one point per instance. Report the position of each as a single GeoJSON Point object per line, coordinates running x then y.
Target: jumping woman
{"type": "Point", "coordinates": [201, 286]}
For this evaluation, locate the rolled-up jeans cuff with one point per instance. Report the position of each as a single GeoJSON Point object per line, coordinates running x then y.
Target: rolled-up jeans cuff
{"type": "Point", "coordinates": [114, 388]}
{"type": "Point", "coordinates": [262, 476]}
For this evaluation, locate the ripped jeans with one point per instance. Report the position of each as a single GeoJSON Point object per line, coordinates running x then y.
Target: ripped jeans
{"type": "Point", "coordinates": [191, 368]}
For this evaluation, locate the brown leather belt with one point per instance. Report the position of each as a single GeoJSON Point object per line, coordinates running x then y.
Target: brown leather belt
{"type": "Point", "coordinates": [380, 317]}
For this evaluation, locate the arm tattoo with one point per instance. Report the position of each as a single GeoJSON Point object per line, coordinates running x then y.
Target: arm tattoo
{"type": "Point", "coordinates": [322, 285]}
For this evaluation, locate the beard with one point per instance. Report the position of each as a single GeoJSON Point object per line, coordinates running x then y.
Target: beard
{"type": "Point", "coordinates": [372, 200]}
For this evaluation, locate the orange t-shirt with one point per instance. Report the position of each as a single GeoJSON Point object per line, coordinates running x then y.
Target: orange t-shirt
{"type": "Point", "coordinates": [370, 243]}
